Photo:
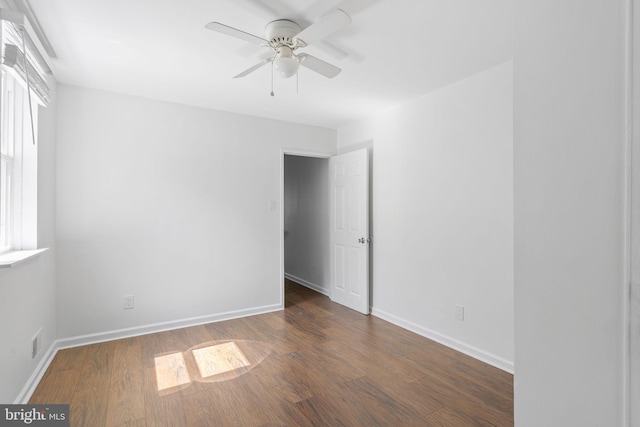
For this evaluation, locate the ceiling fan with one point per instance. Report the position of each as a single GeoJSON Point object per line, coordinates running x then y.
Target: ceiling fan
{"type": "Point", "coordinates": [285, 37]}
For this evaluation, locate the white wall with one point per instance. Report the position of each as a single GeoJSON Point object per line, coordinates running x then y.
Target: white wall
{"type": "Point", "coordinates": [306, 221]}
{"type": "Point", "coordinates": [28, 301]}
{"type": "Point", "coordinates": [569, 70]}
{"type": "Point", "coordinates": [634, 317]}
{"type": "Point", "coordinates": [443, 213]}
{"type": "Point", "coordinates": [168, 203]}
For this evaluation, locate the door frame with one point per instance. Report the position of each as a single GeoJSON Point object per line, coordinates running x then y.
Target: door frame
{"type": "Point", "coordinates": [298, 153]}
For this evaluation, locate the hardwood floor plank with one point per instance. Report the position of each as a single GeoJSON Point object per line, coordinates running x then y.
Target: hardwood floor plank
{"type": "Point", "coordinates": [375, 360]}
{"type": "Point", "coordinates": [496, 378]}
{"type": "Point", "coordinates": [88, 407]}
{"type": "Point", "coordinates": [204, 409]}
{"type": "Point", "coordinates": [445, 417]}
{"type": "Point", "coordinates": [70, 358]}
{"type": "Point", "coordinates": [471, 386]}
{"type": "Point", "coordinates": [56, 388]}
{"type": "Point", "coordinates": [370, 397]}
{"type": "Point", "coordinates": [126, 394]}
{"type": "Point", "coordinates": [229, 330]}
{"type": "Point", "coordinates": [267, 322]}
{"type": "Point", "coordinates": [126, 375]}
{"type": "Point", "coordinates": [489, 382]}
{"type": "Point", "coordinates": [335, 361]}
{"type": "Point", "coordinates": [125, 411]}
{"type": "Point", "coordinates": [96, 368]}
{"type": "Point", "coordinates": [291, 375]}
{"type": "Point", "coordinates": [272, 332]}
{"type": "Point", "coordinates": [161, 409]}
{"type": "Point", "coordinates": [324, 411]}
{"type": "Point", "coordinates": [422, 405]}
{"type": "Point", "coordinates": [475, 411]}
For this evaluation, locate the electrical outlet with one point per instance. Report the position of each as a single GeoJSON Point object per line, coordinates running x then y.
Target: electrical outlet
{"type": "Point", "coordinates": [36, 343]}
{"type": "Point", "coordinates": [128, 302]}
{"type": "Point", "coordinates": [460, 312]}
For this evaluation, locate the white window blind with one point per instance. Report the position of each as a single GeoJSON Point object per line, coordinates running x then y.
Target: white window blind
{"type": "Point", "coordinates": [22, 57]}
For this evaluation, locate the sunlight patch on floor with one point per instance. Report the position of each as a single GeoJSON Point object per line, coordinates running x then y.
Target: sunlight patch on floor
{"type": "Point", "coordinates": [208, 362]}
{"type": "Point", "coordinates": [171, 371]}
{"type": "Point", "coordinates": [218, 359]}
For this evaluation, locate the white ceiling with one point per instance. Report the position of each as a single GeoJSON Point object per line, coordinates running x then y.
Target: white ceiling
{"type": "Point", "coordinates": [395, 50]}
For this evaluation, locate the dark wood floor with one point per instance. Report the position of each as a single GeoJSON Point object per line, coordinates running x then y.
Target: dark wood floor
{"type": "Point", "coordinates": [314, 364]}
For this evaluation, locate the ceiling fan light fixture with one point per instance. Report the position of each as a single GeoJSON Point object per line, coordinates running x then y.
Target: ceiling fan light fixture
{"type": "Point", "coordinates": [286, 62]}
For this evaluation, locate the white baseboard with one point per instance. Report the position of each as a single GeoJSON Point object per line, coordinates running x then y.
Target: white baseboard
{"type": "Point", "coordinates": [80, 340]}
{"type": "Point", "coordinates": [161, 327]}
{"type": "Point", "coordinates": [319, 289]}
{"type": "Point", "coordinates": [491, 359]}
{"type": "Point", "coordinates": [28, 389]}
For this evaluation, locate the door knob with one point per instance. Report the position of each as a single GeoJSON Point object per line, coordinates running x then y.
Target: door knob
{"type": "Point", "coordinates": [362, 240]}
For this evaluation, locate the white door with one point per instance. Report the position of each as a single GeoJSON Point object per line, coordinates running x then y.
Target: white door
{"type": "Point", "coordinates": [349, 222]}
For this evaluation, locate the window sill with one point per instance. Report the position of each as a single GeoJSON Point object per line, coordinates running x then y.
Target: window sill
{"type": "Point", "coordinates": [9, 259]}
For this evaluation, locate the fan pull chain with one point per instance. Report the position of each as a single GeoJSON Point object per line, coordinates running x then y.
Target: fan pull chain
{"type": "Point", "coordinates": [272, 94]}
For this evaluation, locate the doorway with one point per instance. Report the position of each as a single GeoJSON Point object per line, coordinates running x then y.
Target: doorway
{"type": "Point", "coordinates": [305, 211]}
{"type": "Point", "coordinates": [325, 223]}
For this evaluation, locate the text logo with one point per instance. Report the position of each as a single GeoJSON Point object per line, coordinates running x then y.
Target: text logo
{"type": "Point", "coordinates": [34, 415]}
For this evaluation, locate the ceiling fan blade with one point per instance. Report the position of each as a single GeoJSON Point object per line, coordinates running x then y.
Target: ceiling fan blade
{"type": "Point", "coordinates": [318, 65]}
{"type": "Point", "coordinates": [234, 32]}
{"type": "Point", "coordinates": [330, 23]}
{"type": "Point", "coordinates": [254, 68]}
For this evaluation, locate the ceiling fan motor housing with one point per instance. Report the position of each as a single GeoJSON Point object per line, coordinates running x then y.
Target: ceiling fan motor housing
{"type": "Point", "coordinates": [281, 33]}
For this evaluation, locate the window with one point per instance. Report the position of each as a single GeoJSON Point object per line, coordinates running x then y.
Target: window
{"type": "Point", "coordinates": [6, 164]}
{"type": "Point", "coordinates": [23, 88]}
{"type": "Point", "coordinates": [19, 158]}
